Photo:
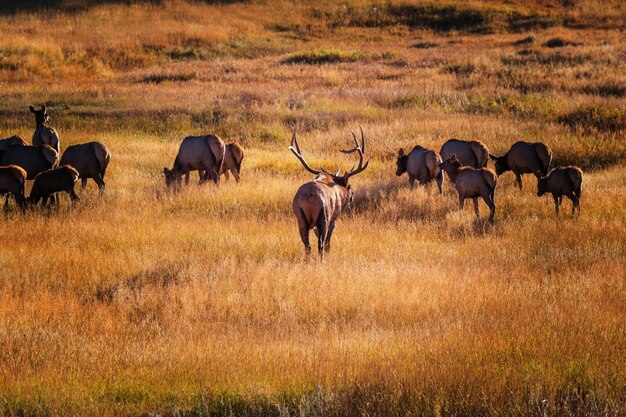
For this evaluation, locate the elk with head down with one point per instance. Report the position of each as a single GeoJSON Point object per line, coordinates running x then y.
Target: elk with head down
{"type": "Point", "coordinates": [562, 181]}
{"type": "Point", "coordinates": [524, 158]}
{"type": "Point", "coordinates": [44, 135]}
{"type": "Point", "coordinates": [197, 153]}
{"type": "Point", "coordinates": [319, 203]}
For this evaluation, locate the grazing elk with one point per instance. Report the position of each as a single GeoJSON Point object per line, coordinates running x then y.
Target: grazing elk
{"type": "Point", "coordinates": [12, 181]}
{"type": "Point", "coordinates": [421, 164]}
{"type": "Point", "coordinates": [53, 181]}
{"type": "Point", "coordinates": [469, 153]}
{"type": "Point", "coordinates": [33, 159]}
{"type": "Point", "coordinates": [472, 183]}
{"type": "Point", "coordinates": [90, 160]}
{"type": "Point", "coordinates": [562, 181]}
{"type": "Point", "coordinates": [524, 158]}
{"type": "Point", "coordinates": [197, 153]}
{"type": "Point", "coordinates": [44, 135]}
{"type": "Point", "coordinates": [319, 203]}
{"type": "Point", "coordinates": [232, 160]}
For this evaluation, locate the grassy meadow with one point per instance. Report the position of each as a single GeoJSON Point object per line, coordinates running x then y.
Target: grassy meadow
{"type": "Point", "coordinates": [202, 302]}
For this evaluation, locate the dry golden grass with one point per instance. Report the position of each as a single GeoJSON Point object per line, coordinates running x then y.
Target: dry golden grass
{"type": "Point", "coordinates": [201, 302]}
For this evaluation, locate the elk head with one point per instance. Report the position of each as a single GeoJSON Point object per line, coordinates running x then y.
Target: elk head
{"type": "Point", "coordinates": [338, 179]}
{"type": "Point", "coordinates": [41, 116]}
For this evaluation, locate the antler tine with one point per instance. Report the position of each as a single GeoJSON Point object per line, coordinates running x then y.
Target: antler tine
{"type": "Point", "coordinates": [362, 139]}
{"type": "Point", "coordinates": [356, 142]}
{"type": "Point", "coordinates": [361, 149]}
{"type": "Point", "coordinates": [296, 151]}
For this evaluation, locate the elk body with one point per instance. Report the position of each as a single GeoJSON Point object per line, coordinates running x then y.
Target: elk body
{"type": "Point", "coordinates": [562, 181]}
{"type": "Point", "coordinates": [44, 135]}
{"type": "Point", "coordinates": [319, 203]}
{"type": "Point", "coordinates": [420, 164]}
{"type": "Point", "coordinates": [469, 153]}
{"type": "Point", "coordinates": [232, 160]}
{"type": "Point", "coordinates": [12, 141]}
{"type": "Point", "coordinates": [524, 158]}
{"type": "Point", "coordinates": [12, 181]}
{"type": "Point", "coordinates": [197, 153]}
{"type": "Point", "coordinates": [472, 183]}
{"type": "Point", "coordinates": [90, 160]}
{"type": "Point", "coordinates": [33, 159]}
{"type": "Point", "coordinates": [53, 181]}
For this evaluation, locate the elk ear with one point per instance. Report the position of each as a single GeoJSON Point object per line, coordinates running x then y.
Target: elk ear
{"type": "Point", "coordinates": [166, 171]}
{"type": "Point", "coordinates": [43, 107]}
{"type": "Point", "coordinates": [538, 174]}
{"type": "Point", "coordinates": [453, 157]}
{"type": "Point", "coordinates": [492, 156]}
{"type": "Point", "coordinates": [32, 109]}
{"type": "Point", "coordinates": [401, 153]}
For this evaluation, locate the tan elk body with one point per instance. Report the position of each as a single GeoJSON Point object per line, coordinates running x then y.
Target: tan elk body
{"type": "Point", "coordinates": [420, 164]}
{"type": "Point", "coordinates": [472, 183]}
{"type": "Point", "coordinates": [90, 160]}
{"type": "Point", "coordinates": [12, 181]}
{"type": "Point", "coordinates": [197, 153]}
{"type": "Point", "coordinates": [33, 159]}
{"type": "Point", "coordinates": [44, 135]}
{"type": "Point", "coordinates": [524, 158]}
{"type": "Point", "coordinates": [470, 153]}
{"type": "Point", "coordinates": [319, 203]}
{"type": "Point", "coordinates": [562, 181]}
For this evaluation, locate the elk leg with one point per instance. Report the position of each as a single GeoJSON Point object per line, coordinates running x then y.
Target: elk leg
{"type": "Point", "coordinates": [557, 203]}
{"type": "Point", "coordinates": [575, 202]}
{"type": "Point", "coordinates": [518, 179]}
{"type": "Point", "coordinates": [492, 205]}
{"type": "Point", "coordinates": [100, 181]}
{"type": "Point", "coordinates": [461, 201]}
{"type": "Point", "coordinates": [322, 233]}
{"type": "Point", "coordinates": [226, 175]}
{"type": "Point", "coordinates": [476, 207]}
{"type": "Point", "coordinates": [412, 181]}
{"type": "Point", "coordinates": [73, 195]}
{"type": "Point", "coordinates": [236, 175]}
{"type": "Point", "coordinates": [331, 229]}
{"type": "Point", "coordinates": [186, 177]}
{"type": "Point", "coordinates": [6, 203]}
{"type": "Point", "coordinates": [303, 227]}
{"type": "Point", "coordinates": [84, 182]}
{"type": "Point", "coordinates": [440, 182]}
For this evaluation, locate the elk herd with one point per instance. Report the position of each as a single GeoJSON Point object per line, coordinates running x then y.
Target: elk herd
{"type": "Point", "coordinates": [317, 204]}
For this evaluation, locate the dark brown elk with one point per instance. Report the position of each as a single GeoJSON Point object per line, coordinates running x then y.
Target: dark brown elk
{"type": "Point", "coordinates": [420, 164]}
{"type": "Point", "coordinates": [12, 141]}
{"type": "Point", "coordinates": [319, 203]}
{"type": "Point", "coordinates": [12, 181]}
{"type": "Point", "coordinates": [471, 153]}
{"type": "Point", "coordinates": [562, 181]}
{"type": "Point", "coordinates": [197, 153]}
{"type": "Point", "coordinates": [44, 135]}
{"type": "Point", "coordinates": [53, 181]}
{"type": "Point", "coordinates": [33, 159]}
{"type": "Point", "coordinates": [472, 183]}
{"type": "Point", "coordinates": [232, 160]}
{"type": "Point", "coordinates": [90, 160]}
{"type": "Point", "coordinates": [524, 158]}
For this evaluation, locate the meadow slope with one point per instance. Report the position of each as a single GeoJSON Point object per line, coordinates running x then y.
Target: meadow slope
{"type": "Point", "coordinates": [202, 303]}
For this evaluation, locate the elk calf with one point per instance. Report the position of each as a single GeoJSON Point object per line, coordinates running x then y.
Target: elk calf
{"type": "Point", "coordinates": [90, 160]}
{"type": "Point", "coordinates": [472, 183]}
{"type": "Point", "coordinates": [12, 180]}
{"type": "Point", "coordinates": [524, 158]}
{"type": "Point", "coordinates": [54, 181]}
{"type": "Point", "coordinates": [232, 160]}
{"type": "Point", "coordinates": [562, 181]}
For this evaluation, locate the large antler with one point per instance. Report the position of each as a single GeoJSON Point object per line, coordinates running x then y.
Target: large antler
{"type": "Point", "coordinates": [361, 150]}
{"type": "Point", "coordinates": [295, 148]}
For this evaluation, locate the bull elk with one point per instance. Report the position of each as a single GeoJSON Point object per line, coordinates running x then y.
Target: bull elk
{"type": "Point", "coordinates": [319, 203]}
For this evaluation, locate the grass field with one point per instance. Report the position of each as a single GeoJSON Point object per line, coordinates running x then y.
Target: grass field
{"type": "Point", "coordinates": [202, 303]}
